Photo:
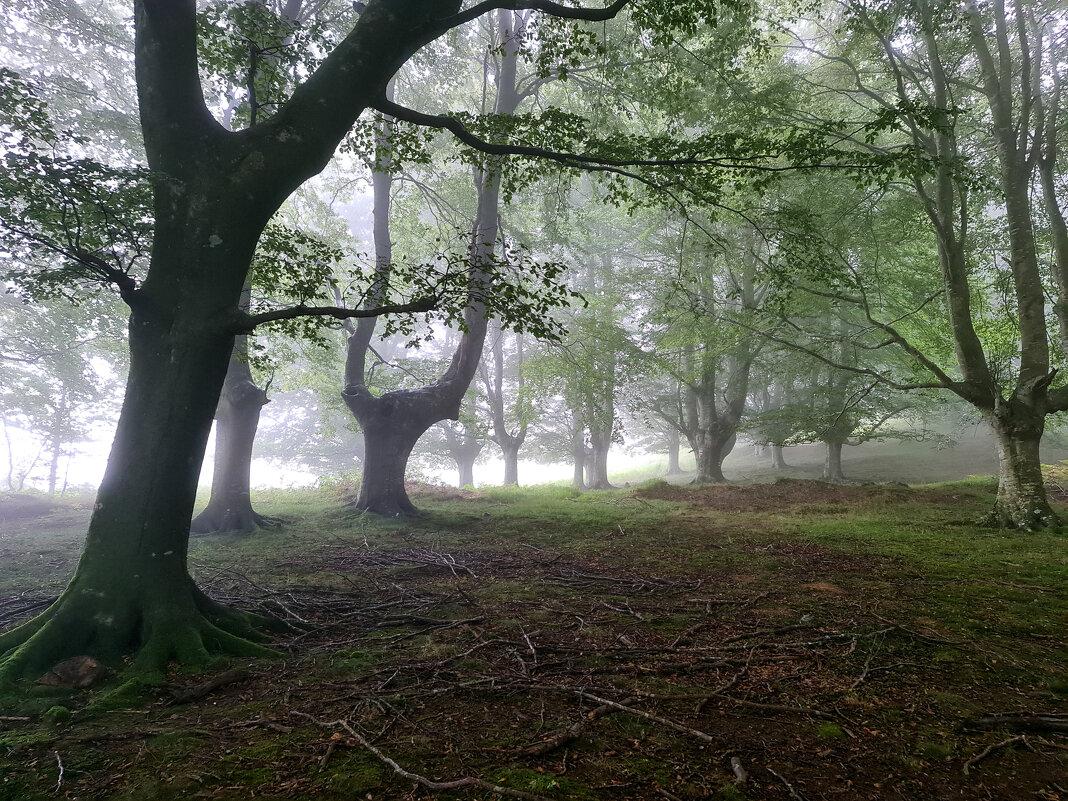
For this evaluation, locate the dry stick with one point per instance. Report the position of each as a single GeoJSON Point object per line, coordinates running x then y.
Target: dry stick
{"type": "Point", "coordinates": [329, 753]}
{"type": "Point", "coordinates": [793, 793]}
{"type": "Point", "coordinates": [562, 737]}
{"type": "Point", "coordinates": [700, 735]}
{"type": "Point", "coordinates": [9, 719]}
{"type": "Point", "coordinates": [864, 673]}
{"type": "Point", "coordinates": [975, 760]}
{"type": "Point", "coordinates": [423, 781]}
{"type": "Point", "coordinates": [59, 762]}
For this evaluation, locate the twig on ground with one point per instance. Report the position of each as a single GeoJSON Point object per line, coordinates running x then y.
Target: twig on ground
{"type": "Point", "coordinates": [59, 764]}
{"type": "Point", "coordinates": [562, 737]}
{"type": "Point", "coordinates": [990, 749]}
{"type": "Point", "coordinates": [700, 735]}
{"type": "Point", "coordinates": [796, 795]}
{"type": "Point", "coordinates": [423, 781]}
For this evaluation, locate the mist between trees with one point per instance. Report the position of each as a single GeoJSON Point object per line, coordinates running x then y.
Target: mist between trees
{"type": "Point", "coordinates": [424, 234]}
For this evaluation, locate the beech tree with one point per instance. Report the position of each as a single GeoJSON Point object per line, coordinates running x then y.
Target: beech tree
{"type": "Point", "coordinates": [213, 193]}
{"type": "Point", "coordinates": [964, 107]}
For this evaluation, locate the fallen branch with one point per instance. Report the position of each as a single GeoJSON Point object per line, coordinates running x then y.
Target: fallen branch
{"type": "Point", "coordinates": [990, 749]}
{"type": "Point", "coordinates": [210, 686]}
{"type": "Point", "coordinates": [566, 736]}
{"type": "Point", "coordinates": [423, 781]}
{"type": "Point", "coordinates": [700, 735]}
{"type": "Point", "coordinates": [797, 796]}
{"type": "Point", "coordinates": [1021, 722]}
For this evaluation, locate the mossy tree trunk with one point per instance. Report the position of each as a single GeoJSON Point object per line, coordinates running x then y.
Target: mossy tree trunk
{"type": "Point", "coordinates": [214, 191]}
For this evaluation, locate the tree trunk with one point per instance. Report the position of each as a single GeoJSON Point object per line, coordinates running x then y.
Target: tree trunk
{"type": "Point", "coordinates": [465, 469]}
{"type": "Point", "coordinates": [674, 444]}
{"type": "Point", "coordinates": [236, 420]}
{"type": "Point", "coordinates": [778, 461]}
{"type": "Point", "coordinates": [600, 443]}
{"type": "Point", "coordinates": [388, 443]}
{"type": "Point", "coordinates": [132, 585]}
{"type": "Point", "coordinates": [1021, 501]}
{"type": "Point", "coordinates": [510, 451]}
{"type": "Point", "coordinates": [578, 456]}
{"type": "Point", "coordinates": [713, 446]}
{"type": "Point", "coordinates": [832, 465]}
{"type": "Point", "coordinates": [59, 432]}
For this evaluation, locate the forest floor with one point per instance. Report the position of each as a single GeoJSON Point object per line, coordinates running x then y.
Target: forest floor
{"type": "Point", "coordinates": [829, 642]}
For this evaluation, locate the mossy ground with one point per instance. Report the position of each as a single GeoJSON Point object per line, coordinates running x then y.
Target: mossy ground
{"type": "Point", "coordinates": [851, 631]}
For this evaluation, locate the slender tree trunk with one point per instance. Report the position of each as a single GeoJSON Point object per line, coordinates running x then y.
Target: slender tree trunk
{"type": "Point", "coordinates": [674, 444]}
{"type": "Point", "coordinates": [59, 429]}
{"type": "Point", "coordinates": [778, 461]}
{"type": "Point", "coordinates": [578, 456]}
{"type": "Point", "coordinates": [236, 420]}
{"type": "Point", "coordinates": [832, 465]}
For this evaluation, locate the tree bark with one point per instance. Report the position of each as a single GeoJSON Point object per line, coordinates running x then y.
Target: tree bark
{"type": "Point", "coordinates": [832, 465]}
{"type": "Point", "coordinates": [674, 444]}
{"type": "Point", "coordinates": [778, 460]}
{"type": "Point", "coordinates": [236, 419]}
{"type": "Point", "coordinates": [510, 452]}
{"type": "Point", "coordinates": [1021, 500]}
{"type": "Point", "coordinates": [714, 444]}
{"type": "Point", "coordinates": [600, 443]}
{"type": "Point", "coordinates": [578, 455]}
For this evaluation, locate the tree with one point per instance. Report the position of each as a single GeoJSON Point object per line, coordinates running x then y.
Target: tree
{"type": "Point", "coordinates": [213, 193]}
{"type": "Point", "coordinates": [956, 94]}
{"type": "Point", "coordinates": [494, 375]}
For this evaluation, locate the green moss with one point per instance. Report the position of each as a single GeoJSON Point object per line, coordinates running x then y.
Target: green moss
{"type": "Point", "coordinates": [829, 731]}
{"type": "Point", "coordinates": [57, 715]}
{"type": "Point", "coordinates": [934, 752]}
{"type": "Point", "coordinates": [729, 792]}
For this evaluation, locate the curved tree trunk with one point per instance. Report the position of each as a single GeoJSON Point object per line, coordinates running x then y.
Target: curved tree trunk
{"type": "Point", "coordinates": [411, 412]}
{"type": "Point", "coordinates": [132, 586]}
{"type": "Point", "coordinates": [236, 420]}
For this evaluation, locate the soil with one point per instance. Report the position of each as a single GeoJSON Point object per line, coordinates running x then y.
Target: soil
{"type": "Point", "coordinates": [825, 674]}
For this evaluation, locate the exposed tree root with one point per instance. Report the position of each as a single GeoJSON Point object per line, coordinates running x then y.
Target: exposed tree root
{"type": "Point", "coordinates": [222, 519]}
{"type": "Point", "coordinates": [190, 631]}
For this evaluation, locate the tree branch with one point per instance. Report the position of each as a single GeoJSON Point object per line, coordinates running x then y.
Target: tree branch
{"type": "Point", "coordinates": [247, 322]}
{"type": "Point", "coordinates": [555, 9]}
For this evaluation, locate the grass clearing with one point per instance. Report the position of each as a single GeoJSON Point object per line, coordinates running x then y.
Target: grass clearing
{"type": "Point", "coordinates": [838, 638]}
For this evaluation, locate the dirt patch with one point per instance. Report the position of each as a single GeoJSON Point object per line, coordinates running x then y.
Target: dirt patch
{"type": "Point", "coordinates": [17, 506]}
{"type": "Point", "coordinates": [787, 493]}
